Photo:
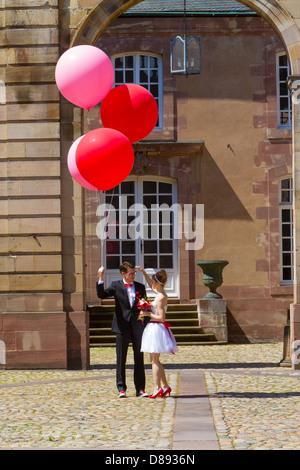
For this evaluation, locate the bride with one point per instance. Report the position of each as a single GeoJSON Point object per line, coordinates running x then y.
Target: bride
{"type": "Point", "coordinates": [157, 336]}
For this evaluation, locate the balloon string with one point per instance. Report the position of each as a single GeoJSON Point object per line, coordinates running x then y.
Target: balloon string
{"type": "Point", "coordinates": [107, 217]}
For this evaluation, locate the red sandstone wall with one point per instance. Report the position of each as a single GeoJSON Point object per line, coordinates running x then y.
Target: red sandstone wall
{"type": "Point", "coordinates": [231, 106]}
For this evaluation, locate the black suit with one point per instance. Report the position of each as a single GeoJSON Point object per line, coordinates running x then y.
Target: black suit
{"type": "Point", "coordinates": [127, 328]}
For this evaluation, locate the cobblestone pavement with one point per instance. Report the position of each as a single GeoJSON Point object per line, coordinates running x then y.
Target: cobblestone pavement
{"type": "Point", "coordinates": [255, 404]}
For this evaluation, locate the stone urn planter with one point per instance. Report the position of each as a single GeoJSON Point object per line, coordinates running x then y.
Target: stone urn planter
{"type": "Point", "coordinates": [212, 276]}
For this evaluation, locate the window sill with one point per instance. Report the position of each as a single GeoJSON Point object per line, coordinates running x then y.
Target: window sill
{"type": "Point", "coordinates": [284, 290]}
{"type": "Point", "coordinates": [279, 134]}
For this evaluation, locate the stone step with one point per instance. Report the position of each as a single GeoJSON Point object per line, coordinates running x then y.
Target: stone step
{"type": "Point", "coordinates": [176, 322]}
{"type": "Point", "coordinates": [96, 308]}
{"type": "Point", "coordinates": [182, 317]}
{"type": "Point", "coordinates": [104, 339]}
{"type": "Point", "coordinates": [177, 330]}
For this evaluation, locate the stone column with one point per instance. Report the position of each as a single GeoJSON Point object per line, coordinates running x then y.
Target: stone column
{"type": "Point", "coordinates": [35, 328]}
{"type": "Point", "coordinates": [32, 320]}
{"type": "Point", "coordinates": [294, 85]}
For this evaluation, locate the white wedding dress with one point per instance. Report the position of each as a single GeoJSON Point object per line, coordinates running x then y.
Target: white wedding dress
{"type": "Point", "coordinates": [157, 336]}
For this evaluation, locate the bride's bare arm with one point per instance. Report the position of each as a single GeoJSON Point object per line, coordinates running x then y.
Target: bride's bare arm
{"type": "Point", "coordinates": [147, 277]}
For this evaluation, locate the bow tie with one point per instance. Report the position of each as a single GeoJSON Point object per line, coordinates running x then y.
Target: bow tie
{"type": "Point", "coordinates": [128, 285]}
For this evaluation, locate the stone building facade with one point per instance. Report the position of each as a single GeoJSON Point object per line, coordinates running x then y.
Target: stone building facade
{"type": "Point", "coordinates": [48, 245]}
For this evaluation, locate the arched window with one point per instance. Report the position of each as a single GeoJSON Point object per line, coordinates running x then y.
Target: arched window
{"type": "Point", "coordinates": [142, 69]}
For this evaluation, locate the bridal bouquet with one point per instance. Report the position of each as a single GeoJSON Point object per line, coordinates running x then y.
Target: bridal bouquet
{"type": "Point", "coordinates": [143, 304]}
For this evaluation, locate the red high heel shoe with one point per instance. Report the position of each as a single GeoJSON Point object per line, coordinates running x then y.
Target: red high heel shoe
{"type": "Point", "coordinates": [164, 392]}
{"type": "Point", "coordinates": [157, 394]}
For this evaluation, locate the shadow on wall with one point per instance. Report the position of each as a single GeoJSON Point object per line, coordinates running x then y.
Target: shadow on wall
{"type": "Point", "coordinates": [219, 199]}
{"type": "Point", "coordinates": [235, 333]}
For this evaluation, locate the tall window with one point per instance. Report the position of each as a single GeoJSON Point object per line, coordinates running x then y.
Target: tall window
{"type": "Point", "coordinates": [286, 230]}
{"type": "Point", "coordinates": [140, 228]}
{"type": "Point", "coordinates": [284, 107]}
{"type": "Point", "coordinates": [144, 70]}
{"type": "Point", "coordinates": [152, 245]}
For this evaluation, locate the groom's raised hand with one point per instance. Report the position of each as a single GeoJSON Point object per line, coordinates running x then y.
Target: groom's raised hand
{"type": "Point", "coordinates": [101, 274]}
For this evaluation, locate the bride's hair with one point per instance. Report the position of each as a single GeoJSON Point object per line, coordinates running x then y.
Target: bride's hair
{"type": "Point", "coordinates": [160, 277]}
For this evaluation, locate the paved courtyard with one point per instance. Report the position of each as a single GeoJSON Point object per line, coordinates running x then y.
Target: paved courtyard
{"type": "Point", "coordinates": [253, 403]}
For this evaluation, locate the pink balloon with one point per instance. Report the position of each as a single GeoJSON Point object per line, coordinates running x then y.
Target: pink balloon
{"type": "Point", "coordinates": [84, 75]}
{"type": "Point", "coordinates": [73, 168]}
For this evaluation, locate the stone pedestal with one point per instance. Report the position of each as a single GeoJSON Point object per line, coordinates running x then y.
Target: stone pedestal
{"type": "Point", "coordinates": [213, 317]}
{"type": "Point", "coordinates": [33, 340]}
{"type": "Point", "coordinates": [295, 336]}
{"type": "Point", "coordinates": [44, 340]}
{"type": "Point", "coordinates": [286, 360]}
{"type": "Point", "coordinates": [78, 348]}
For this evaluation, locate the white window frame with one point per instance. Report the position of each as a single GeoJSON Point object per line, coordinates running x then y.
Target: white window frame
{"type": "Point", "coordinates": [279, 83]}
{"type": "Point", "coordinates": [136, 78]}
{"type": "Point", "coordinates": [284, 205]}
{"type": "Point", "coordinates": [112, 274]}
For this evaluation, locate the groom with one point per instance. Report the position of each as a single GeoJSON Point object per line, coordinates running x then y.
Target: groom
{"type": "Point", "coordinates": [126, 324]}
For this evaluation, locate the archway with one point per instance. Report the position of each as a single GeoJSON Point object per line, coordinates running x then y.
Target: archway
{"type": "Point", "coordinates": [279, 18]}
{"type": "Point", "coordinates": [285, 26]}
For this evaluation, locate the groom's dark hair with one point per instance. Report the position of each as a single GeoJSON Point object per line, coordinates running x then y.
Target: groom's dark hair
{"type": "Point", "coordinates": [125, 265]}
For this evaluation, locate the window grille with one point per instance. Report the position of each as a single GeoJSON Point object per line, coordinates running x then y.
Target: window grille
{"type": "Point", "coordinates": [144, 70]}
{"type": "Point", "coordinates": [286, 230]}
{"type": "Point", "coordinates": [284, 105]}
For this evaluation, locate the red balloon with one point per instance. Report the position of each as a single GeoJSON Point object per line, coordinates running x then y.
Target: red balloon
{"type": "Point", "coordinates": [104, 158]}
{"type": "Point", "coordinates": [131, 109]}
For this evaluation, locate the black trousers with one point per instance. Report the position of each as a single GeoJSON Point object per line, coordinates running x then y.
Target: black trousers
{"type": "Point", "coordinates": [122, 343]}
